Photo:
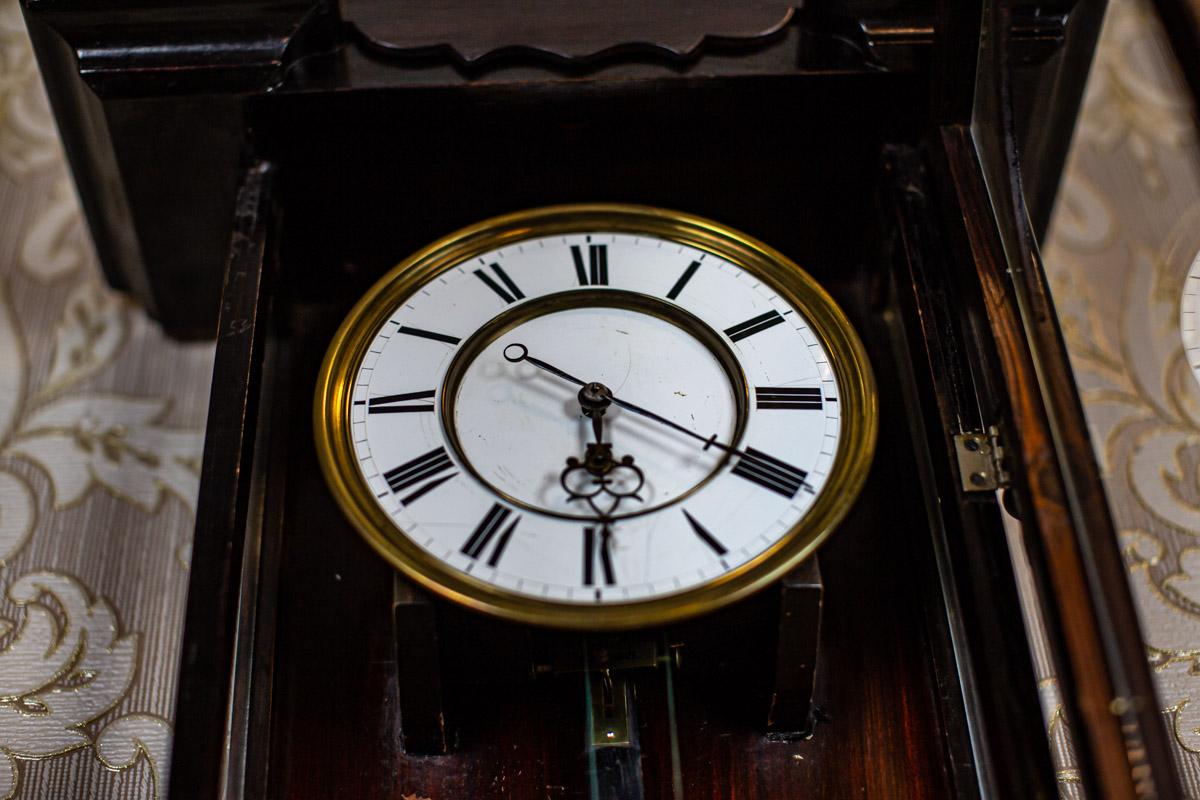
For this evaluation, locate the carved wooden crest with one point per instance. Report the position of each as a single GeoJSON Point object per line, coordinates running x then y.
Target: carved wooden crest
{"type": "Point", "coordinates": [561, 30]}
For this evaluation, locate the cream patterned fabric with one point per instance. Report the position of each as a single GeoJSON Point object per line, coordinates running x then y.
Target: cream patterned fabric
{"type": "Point", "coordinates": [100, 439]}
{"type": "Point", "coordinates": [1125, 230]}
{"type": "Point", "coordinates": [101, 430]}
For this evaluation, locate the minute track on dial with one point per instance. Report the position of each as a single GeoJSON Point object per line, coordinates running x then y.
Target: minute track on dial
{"type": "Point", "coordinates": [756, 466]}
{"type": "Point", "coordinates": [449, 459]}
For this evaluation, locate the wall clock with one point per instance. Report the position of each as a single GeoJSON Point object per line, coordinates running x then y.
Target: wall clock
{"type": "Point", "coordinates": [878, 147]}
{"type": "Point", "coordinates": [595, 416]}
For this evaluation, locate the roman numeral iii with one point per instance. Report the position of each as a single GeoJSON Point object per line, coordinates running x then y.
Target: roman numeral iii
{"type": "Point", "coordinates": [595, 272]}
{"type": "Point", "coordinates": [770, 473]}
{"type": "Point", "coordinates": [423, 474]}
{"type": "Point", "coordinates": [806, 398]}
{"type": "Point", "coordinates": [486, 531]}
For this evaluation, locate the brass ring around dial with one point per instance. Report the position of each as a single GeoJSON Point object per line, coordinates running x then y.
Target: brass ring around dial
{"type": "Point", "coordinates": [591, 298]}
{"type": "Point", "coordinates": [851, 462]}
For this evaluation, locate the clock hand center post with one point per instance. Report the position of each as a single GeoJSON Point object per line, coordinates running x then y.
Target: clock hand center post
{"type": "Point", "coordinates": [594, 400]}
{"type": "Point", "coordinates": [516, 353]}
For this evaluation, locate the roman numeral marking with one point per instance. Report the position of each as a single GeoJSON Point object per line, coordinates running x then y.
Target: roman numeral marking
{"type": "Point", "coordinates": [509, 293]}
{"type": "Point", "coordinates": [437, 337]}
{"type": "Point", "coordinates": [486, 531]}
{"type": "Point", "coordinates": [389, 404]}
{"type": "Point", "coordinates": [770, 473]}
{"type": "Point", "coordinates": [424, 470]}
{"type": "Point", "coordinates": [705, 536]}
{"type": "Point", "coordinates": [807, 398]}
{"type": "Point", "coordinates": [683, 280]}
{"type": "Point", "coordinates": [592, 543]}
{"type": "Point", "coordinates": [596, 273]}
{"type": "Point", "coordinates": [753, 326]}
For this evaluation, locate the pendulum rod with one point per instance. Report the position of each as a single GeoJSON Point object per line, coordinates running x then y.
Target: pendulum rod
{"type": "Point", "coordinates": [668, 663]}
{"type": "Point", "coordinates": [612, 750]}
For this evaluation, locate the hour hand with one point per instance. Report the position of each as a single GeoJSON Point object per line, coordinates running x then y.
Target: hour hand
{"type": "Point", "coordinates": [594, 400]}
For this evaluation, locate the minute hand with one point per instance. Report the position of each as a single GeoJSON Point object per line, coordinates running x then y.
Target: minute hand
{"type": "Point", "coordinates": [520, 352]}
{"type": "Point", "coordinates": [759, 467]}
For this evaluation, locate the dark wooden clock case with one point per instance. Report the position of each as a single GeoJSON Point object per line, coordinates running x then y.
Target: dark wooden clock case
{"type": "Point", "coordinates": [905, 153]}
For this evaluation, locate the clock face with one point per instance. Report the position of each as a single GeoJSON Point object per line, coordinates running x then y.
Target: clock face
{"type": "Point", "coordinates": [595, 416]}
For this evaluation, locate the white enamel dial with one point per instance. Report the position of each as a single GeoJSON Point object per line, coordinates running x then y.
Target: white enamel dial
{"type": "Point", "coordinates": [708, 431]}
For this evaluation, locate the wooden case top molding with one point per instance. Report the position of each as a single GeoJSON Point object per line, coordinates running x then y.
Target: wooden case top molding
{"type": "Point", "coordinates": [138, 48]}
{"type": "Point", "coordinates": [180, 83]}
{"type": "Point", "coordinates": [474, 31]}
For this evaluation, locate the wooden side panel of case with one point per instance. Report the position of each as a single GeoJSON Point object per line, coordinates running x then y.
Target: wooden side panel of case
{"type": "Point", "coordinates": [214, 598]}
{"type": "Point", "coordinates": [1109, 693]}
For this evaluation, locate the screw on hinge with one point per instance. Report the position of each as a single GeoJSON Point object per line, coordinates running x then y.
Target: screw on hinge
{"type": "Point", "coordinates": [980, 461]}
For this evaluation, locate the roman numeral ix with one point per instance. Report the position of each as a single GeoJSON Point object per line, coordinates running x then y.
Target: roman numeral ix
{"type": "Point", "coordinates": [596, 272]}
{"type": "Point", "coordinates": [486, 531]}
{"type": "Point", "coordinates": [509, 293]}
{"type": "Point", "coordinates": [423, 472]}
{"type": "Point", "coordinates": [807, 398]}
{"type": "Point", "coordinates": [753, 326]}
{"type": "Point", "coordinates": [394, 403]}
{"type": "Point", "coordinates": [770, 473]}
{"type": "Point", "coordinates": [594, 541]}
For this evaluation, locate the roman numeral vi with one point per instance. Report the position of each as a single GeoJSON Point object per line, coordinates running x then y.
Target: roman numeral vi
{"type": "Point", "coordinates": [597, 545]}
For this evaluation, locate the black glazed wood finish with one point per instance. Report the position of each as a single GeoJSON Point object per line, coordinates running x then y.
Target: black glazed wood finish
{"type": "Point", "coordinates": [211, 618]}
{"type": "Point", "coordinates": [524, 739]}
{"type": "Point", "coordinates": [891, 699]}
{"type": "Point", "coordinates": [768, 679]}
{"type": "Point", "coordinates": [151, 95]}
{"type": "Point", "coordinates": [538, 27]}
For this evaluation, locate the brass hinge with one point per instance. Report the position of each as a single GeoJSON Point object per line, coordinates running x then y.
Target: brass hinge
{"type": "Point", "coordinates": [981, 461]}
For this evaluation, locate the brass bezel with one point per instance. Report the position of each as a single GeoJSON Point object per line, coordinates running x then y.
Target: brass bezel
{"type": "Point", "coordinates": [580, 298]}
{"type": "Point", "coordinates": [859, 412]}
